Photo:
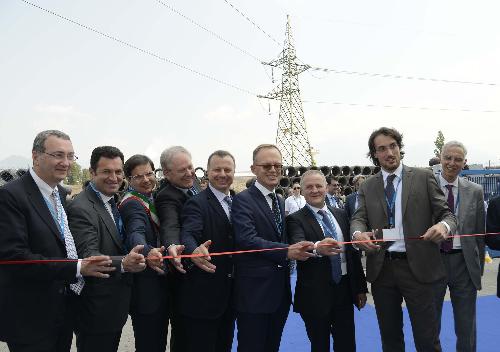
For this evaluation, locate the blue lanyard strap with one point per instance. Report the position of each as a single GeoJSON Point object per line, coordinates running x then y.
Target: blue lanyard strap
{"type": "Point", "coordinates": [391, 205]}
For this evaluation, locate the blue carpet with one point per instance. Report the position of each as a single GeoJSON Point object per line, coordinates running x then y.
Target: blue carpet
{"type": "Point", "coordinates": [368, 337]}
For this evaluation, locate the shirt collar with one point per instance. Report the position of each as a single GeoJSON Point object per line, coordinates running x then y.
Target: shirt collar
{"type": "Point", "coordinates": [443, 182]}
{"type": "Point", "coordinates": [263, 189]}
{"type": "Point", "coordinates": [218, 194]}
{"type": "Point", "coordinates": [397, 172]}
{"type": "Point", "coordinates": [104, 197]}
{"type": "Point", "coordinates": [315, 210]}
{"type": "Point", "coordinates": [44, 188]}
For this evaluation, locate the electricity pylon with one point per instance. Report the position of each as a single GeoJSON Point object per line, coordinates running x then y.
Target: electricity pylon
{"type": "Point", "coordinates": [291, 137]}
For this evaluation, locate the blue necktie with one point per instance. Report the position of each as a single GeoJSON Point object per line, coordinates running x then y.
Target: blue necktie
{"type": "Point", "coordinates": [335, 260]}
{"type": "Point", "coordinates": [116, 216]}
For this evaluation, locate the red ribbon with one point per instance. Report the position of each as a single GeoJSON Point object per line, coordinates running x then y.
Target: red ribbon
{"type": "Point", "coordinates": [44, 261]}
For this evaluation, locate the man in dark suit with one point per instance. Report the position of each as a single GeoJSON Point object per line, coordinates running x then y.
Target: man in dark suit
{"type": "Point", "coordinates": [36, 300]}
{"type": "Point", "coordinates": [329, 285]}
{"type": "Point", "coordinates": [179, 172]}
{"type": "Point", "coordinates": [463, 257]}
{"type": "Point", "coordinates": [351, 201]}
{"type": "Point", "coordinates": [403, 203]}
{"type": "Point", "coordinates": [333, 193]}
{"type": "Point", "coordinates": [262, 282]}
{"type": "Point", "coordinates": [206, 289]}
{"type": "Point", "coordinates": [493, 226]}
{"type": "Point", "coordinates": [98, 229]}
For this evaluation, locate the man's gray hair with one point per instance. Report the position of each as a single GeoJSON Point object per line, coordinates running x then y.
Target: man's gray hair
{"type": "Point", "coordinates": [39, 142]}
{"type": "Point", "coordinates": [309, 173]}
{"type": "Point", "coordinates": [169, 154]}
{"type": "Point", "coordinates": [454, 144]}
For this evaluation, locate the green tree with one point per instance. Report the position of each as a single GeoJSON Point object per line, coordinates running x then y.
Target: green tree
{"type": "Point", "coordinates": [74, 175]}
{"type": "Point", "coordinates": [439, 142]}
{"type": "Point", "coordinates": [85, 175]}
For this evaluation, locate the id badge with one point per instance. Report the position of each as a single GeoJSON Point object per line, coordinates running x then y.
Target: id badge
{"type": "Point", "coordinates": [392, 234]}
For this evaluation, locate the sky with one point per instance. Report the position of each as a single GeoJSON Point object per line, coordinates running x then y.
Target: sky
{"type": "Point", "coordinates": [138, 91]}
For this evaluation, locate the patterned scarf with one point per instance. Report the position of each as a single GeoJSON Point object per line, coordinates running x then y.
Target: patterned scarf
{"type": "Point", "coordinates": [146, 203]}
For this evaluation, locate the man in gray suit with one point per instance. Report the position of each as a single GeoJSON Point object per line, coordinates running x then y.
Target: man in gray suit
{"type": "Point", "coordinates": [463, 257]}
{"type": "Point", "coordinates": [96, 225]}
{"type": "Point", "coordinates": [405, 207]}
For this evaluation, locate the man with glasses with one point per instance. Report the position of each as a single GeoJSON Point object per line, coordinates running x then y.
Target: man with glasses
{"type": "Point", "coordinates": [404, 207]}
{"type": "Point", "coordinates": [296, 201]}
{"type": "Point", "coordinates": [262, 282]}
{"type": "Point", "coordinates": [333, 193]}
{"type": "Point", "coordinates": [98, 229]}
{"type": "Point", "coordinates": [37, 300]}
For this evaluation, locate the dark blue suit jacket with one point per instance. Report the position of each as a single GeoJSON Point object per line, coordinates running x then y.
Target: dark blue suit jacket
{"type": "Point", "coordinates": [204, 295]}
{"type": "Point", "coordinates": [149, 286]}
{"type": "Point", "coordinates": [350, 205]}
{"type": "Point", "coordinates": [262, 279]}
{"type": "Point", "coordinates": [32, 298]}
{"type": "Point", "coordinates": [493, 226]}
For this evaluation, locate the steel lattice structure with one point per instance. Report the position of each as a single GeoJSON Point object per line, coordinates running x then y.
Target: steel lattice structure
{"type": "Point", "coordinates": [291, 136]}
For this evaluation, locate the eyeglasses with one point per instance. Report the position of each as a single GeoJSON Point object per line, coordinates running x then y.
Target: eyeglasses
{"type": "Point", "coordinates": [138, 177]}
{"type": "Point", "coordinates": [383, 148]}
{"type": "Point", "coordinates": [61, 156]}
{"type": "Point", "coordinates": [268, 167]}
{"type": "Point", "coordinates": [296, 187]}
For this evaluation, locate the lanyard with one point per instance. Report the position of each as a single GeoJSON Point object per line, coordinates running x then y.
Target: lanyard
{"type": "Point", "coordinates": [391, 205]}
{"type": "Point", "coordinates": [58, 217]}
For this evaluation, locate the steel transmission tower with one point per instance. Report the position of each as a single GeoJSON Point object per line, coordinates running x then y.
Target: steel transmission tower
{"type": "Point", "coordinates": [291, 137]}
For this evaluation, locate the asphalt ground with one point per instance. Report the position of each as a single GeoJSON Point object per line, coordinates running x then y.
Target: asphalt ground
{"type": "Point", "coordinates": [489, 288]}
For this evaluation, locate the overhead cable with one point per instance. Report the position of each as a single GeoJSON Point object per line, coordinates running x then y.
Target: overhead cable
{"type": "Point", "coordinates": [252, 22]}
{"type": "Point", "coordinates": [216, 35]}
{"type": "Point", "coordinates": [144, 51]}
{"type": "Point", "coordinates": [399, 107]}
{"type": "Point", "coordinates": [385, 75]}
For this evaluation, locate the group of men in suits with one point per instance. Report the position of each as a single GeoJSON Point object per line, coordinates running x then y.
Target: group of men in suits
{"type": "Point", "coordinates": [411, 213]}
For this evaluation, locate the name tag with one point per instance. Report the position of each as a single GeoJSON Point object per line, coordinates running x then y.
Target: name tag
{"type": "Point", "coordinates": [392, 234]}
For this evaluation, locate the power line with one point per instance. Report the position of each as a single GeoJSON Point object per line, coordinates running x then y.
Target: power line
{"type": "Point", "coordinates": [385, 75]}
{"type": "Point", "coordinates": [252, 22]}
{"type": "Point", "coordinates": [399, 107]}
{"type": "Point", "coordinates": [216, 35]}
{"type": "Point", "coordinates": [144, 51]}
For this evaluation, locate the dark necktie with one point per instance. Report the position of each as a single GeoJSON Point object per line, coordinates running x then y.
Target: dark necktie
{"type": "Point", "coordinates": [447, 245]}
{"type": "Point", "coordinates": [191, 192]}
{"type": "Point", "coordinates": [329, 231]}
{"type": "Point", "coordinates": [389, 194]}
{"type": "Point", "coordinates": [276, 212]}
{"type": "Point", "coordinates": [116, 216]}
{"type": "Point", "coordinates": [229, 202]}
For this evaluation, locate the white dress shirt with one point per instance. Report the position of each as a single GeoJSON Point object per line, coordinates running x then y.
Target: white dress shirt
{"type": "Point", "coordinates": [397, 246]}
{"type": "Point", "coordinates": [46, 191]}
{"type": "Point", "coordinates": [442, 183]}
{"type": "Point", "coordinates": [220, 197]}
{"type": "Point", "coordinates": [338, 230]}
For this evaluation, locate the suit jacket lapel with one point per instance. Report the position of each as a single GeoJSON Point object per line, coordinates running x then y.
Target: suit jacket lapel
{"type": "Point", "coordinates": [313, 222]}
{"type": "Point", "coordinates": [464, 198]}
{"type": "Point", "coordinates": [40, 206]}
{"type": "Point", "coordinates": [262, 201]}
{"type": "Point", "coordinates": [407, 183]}
{"type": "Point", "coordinates": [105, 216]}
{"type": "Point", "coordinates": [215, 204]}
{"type": "Point", "coordinates": [380, 193]}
